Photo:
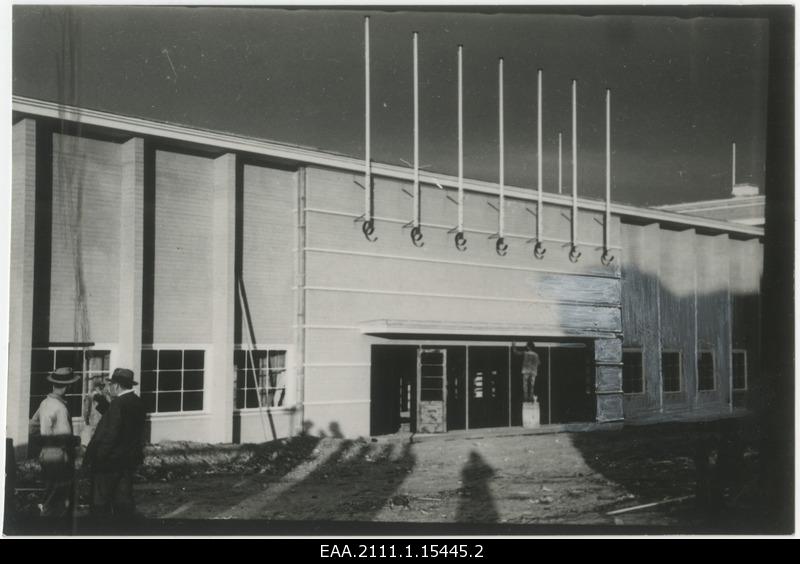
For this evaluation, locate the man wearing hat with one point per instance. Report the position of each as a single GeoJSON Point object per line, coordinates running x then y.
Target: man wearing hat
{"type": "Point", "coordinates": [116, 448]}
{"type": "Point", "coordinates": [57, 456]}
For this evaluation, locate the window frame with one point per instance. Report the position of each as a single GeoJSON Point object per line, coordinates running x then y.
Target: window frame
{"type": "Point", "coordinates": [701, 352]}
{"type": "Point", "coordinates": [640, 351]}
{"type": "Point", "coordinates": [746, 375]}
{"type": "Point", "coordinates": [289, 402]}
{"type": "Point", "coordinates": [680, 371]}
{"type": "Point", "coordinates": [182, 347]}
{"type": "Point", "coordinates": [110, 348]}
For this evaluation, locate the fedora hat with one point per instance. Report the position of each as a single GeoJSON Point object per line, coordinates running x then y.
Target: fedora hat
{"type": "Point", "coordinates": [123, 376]}
{"type": "Point", "coordinates": [63, 376]}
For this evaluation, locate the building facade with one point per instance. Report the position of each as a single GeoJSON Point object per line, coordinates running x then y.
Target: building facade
{"type": "Point", "coordinates": [234, 277]}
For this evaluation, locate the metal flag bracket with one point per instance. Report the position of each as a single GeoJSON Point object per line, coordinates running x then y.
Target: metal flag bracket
{"type": "Point", "coordinates": [500, 245]}
{"type": "Point", "coordinates": [368, 228]}
{"type": "Point", "coordinates": [574, 255]}
{"type": "Point", "coordinates": [539, 250]}
{"type": "Point", "coordinates": [367, 225]}
{"type": "Point", "coordinates": [416, 236]}
{"type": "Point", "coordinates": [460, 241]}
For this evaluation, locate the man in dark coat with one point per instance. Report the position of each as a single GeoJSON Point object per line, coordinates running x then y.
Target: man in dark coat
{"type": "Point", "coordinates": [116, 449]}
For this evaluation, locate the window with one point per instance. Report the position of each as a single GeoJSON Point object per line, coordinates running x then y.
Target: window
{"type": "Point", "coordinates": [432, 374]}
{"type": "Point", "coordinates": [632, 372]}
{"type": "Point", "coordinates": [671, 371]}
{"type": "Point", "coordinates": [739, 370]}
{"type": "Point", "coordinates": [705, 371]}
{"type": "Point", "coordinates": [260, 378]}
{"type": "Point", "coordinates": [90, 365]}
{"type": "Point", "coordinates": [172, 380]}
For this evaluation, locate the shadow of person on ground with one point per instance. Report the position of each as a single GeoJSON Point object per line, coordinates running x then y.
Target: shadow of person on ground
{"type": "Point", "coordinates": [476, 504]}
{"type": "Point", "coordinates": [355, 483]}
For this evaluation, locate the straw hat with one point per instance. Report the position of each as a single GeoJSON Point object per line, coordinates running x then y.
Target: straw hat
{"type": "Point", "coordinates": [63, 376]}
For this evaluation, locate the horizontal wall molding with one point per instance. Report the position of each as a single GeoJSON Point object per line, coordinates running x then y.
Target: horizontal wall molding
{"type": "Point", "coordinates": [411, 327]}
{"type": "Point", "coordinates": [460, 263]}
{"type": "Point", "coordinates": [300, 155]}
{"type": "Point", "coordinates": [260, 411]}
{"type": "Point", "coordinates": [442, 227]}
{"type": "Point", "coordinates": [473, 343]}
{"type": "Point", "coordinates": [333, 327]}
{"type": "Point", "coordinates": [183, 416]}
{"type": "Point", "coordinates": [337, 364]}
{"type": "Point", "coordinates": [338, 402]}
{"type": "Point", "coordinates": [460, 296]}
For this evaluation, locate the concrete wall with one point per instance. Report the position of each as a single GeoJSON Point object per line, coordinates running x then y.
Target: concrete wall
{"type": "Point", "coordinates": [641, 261]}
{"type": "Point", "coordinates": [21, 281]}
{"type": "Point", "coordinates": [267, 257]}
{"type": "Point", "coordinates": [713, 317]}
{"type": "Point", "coordinates": [85, 240]}
{"type": "Point", "coordinates": [688, 292]}
{"type": "Point", "coordinates": [351, 281]}
{"type": "Point", "coordinates": [268, 239]}
{"type": "Point", "coordinates": [183, 230]}
{"type": "Point", "coordinates": [746, 267]}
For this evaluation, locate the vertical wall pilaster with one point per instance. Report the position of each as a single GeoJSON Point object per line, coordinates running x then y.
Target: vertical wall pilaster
{"type": "Point", "coordinates": [131, 245]}
{"type": "Point", "coordinates": [219, 371]}
{"type": "Point", "coordinates": [300, 331]}
{"type": "Point", "coordinates": [20, 314]}
{"type": "Point", "coordinates": [608, 380]}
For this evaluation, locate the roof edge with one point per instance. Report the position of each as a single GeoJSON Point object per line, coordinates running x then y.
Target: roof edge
{"type": "Point", "coordinates": [141, 126]}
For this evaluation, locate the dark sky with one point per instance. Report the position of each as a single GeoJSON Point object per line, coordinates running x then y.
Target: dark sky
{"type": "Point", "coordinates": [682, 89]}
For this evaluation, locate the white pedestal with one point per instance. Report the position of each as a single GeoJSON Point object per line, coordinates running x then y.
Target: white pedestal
{"type": "Point", "coordinates": [530, 414]}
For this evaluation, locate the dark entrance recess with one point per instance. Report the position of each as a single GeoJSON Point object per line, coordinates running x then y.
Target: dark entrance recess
{"type": "Point", "coordinates": [572, 385]}
{"type": "Point", "coordinates": [565, 384]}
{"type": "Point", "coordinates": [393, 378]}
{"type": "Point", "coordinates": [483, 386]}
{"type": "Point", "coordinates": [488, 387]}
{"type": "Point", "coordinates": [456, 388]}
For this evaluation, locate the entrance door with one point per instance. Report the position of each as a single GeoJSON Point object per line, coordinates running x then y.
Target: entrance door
{"type": "Point", "coordinates": [488, 387]}
{"type": "Point", "coordinates": [393, 389]}
{"type": "Point", "coordinates": [456, 388]}
{"type": "Point", "coordinates": [432, 386]}
{"type": "Point", "coordinates": [571, 392]}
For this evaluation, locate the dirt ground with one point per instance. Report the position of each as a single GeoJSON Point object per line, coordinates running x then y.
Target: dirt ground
{"type": "Point", "coordinates": [706, 477]}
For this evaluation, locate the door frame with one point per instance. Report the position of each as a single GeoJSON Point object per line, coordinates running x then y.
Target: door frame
{"type": "Point", "coordinates": [443, 351]}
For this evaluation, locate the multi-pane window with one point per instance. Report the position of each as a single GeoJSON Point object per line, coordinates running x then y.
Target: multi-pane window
{"type": "Point", "coordinates": [261, 378]}
{"type": "Point", "coordinates": [671, 371]}
{"type": "Point", "coordinates": [705, 371]}
{"type": "Point", "coordinates": [632, 372]}
{"type": "Point", "coordinates": [739, 370]}
{"type": "Point", "coordinates": [432, 374]}
{"type": "Point", "coordinates": [172, 380]}
{"type": "Point", "coordinates": [90, 365]}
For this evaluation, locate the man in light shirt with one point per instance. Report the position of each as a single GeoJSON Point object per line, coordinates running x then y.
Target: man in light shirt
{"type": "Point", "coordinates": [57, 457]}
